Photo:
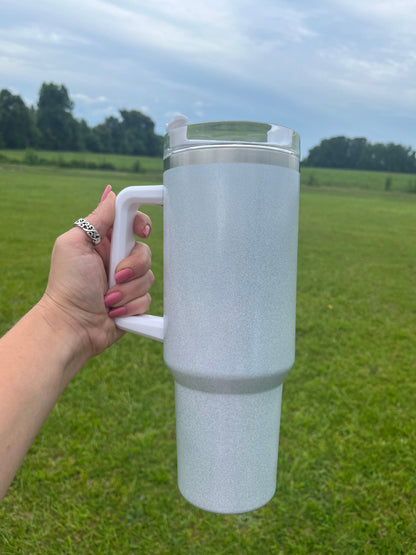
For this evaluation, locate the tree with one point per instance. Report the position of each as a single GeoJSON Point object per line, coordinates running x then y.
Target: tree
{"type": "Point", "coordinates": [357, 152]}
{"type": "Point", "coordinates": [87, 139]}
{"type": "Point", "coordinates": [56, 123]}
{"type": "Point", "coordinates": [108, 136]}
{"type": "Point", "coordinates": [138, 134]}
{"type": "Point", "coordinates": [342, 152]}
{"type": "Point", "coordinates": [17, 125]}
{"type": "Point", "coordinates": [133, 134]}
{"type": "Point", "coordinates": [52, 126]}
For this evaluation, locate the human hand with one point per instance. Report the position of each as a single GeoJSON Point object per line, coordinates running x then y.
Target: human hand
{"type": "Point", "coordinates": [77, 293]}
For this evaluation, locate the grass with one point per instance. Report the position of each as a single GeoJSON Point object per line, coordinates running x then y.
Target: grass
{"type": "Point", "coordinates": [115, 162]}
{"type": "Point", "coordinates": [361, 180]}
{"type": "Point", "coordinates": [101, 475]}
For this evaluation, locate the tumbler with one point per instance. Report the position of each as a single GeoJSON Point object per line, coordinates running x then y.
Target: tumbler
{"type": "Point", "coordinates": [231, 200]}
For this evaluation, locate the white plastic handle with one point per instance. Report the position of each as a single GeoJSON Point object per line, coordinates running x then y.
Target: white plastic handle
{"type": "Point", "coordinates": [122, 241]}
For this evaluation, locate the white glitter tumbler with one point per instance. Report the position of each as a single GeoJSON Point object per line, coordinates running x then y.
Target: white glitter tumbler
{"type": "Point", "coordinates": [231, 198]}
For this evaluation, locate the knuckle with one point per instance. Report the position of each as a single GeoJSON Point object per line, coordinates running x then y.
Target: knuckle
{"type": "Point", "coordinates": [148, 301]}
{"type": "Point", "coordinates": [62, 241]}
{"type": "Point", "coordinates": [140, 305]}
{"type": "Point", "coordinates": [144, 255]}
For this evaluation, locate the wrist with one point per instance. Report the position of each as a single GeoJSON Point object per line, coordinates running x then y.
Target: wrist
{"type": "Point", "coordinates": [66, 341]}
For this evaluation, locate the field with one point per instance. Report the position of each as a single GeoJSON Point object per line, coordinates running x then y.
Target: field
{"type": "Point", "coordinates": [361, 180]}
{"type": "Point", "coordinates": [114, 162]}
{"type": "Point", "coordinates": [101, 475]}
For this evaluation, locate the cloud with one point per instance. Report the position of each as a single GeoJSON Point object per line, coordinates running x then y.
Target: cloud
{"type": "Point", "coordinates": [88, 99]}
{"type": "Point", "coordinates": [373, 59]}
{"type": "Point", "coordinates": [380, 10]}
{"type": "Point", "coordinates": [35, 34]}
{"type": "Point", "coordinates": [289, 62]}
{"type": "Point", "coordinates": [223, 36]}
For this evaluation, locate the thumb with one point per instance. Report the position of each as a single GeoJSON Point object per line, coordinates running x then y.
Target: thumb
{"type": "Point", "coordinates": [102, 218]}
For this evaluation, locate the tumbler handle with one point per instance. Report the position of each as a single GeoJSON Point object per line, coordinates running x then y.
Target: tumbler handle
{"type": "Point", "coordinates": [122, 241]}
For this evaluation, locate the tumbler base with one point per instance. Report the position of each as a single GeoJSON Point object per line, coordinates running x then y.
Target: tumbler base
{"type": "Point", "coordinates": [227, 448]}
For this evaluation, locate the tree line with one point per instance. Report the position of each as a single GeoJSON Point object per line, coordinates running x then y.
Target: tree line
{"type": "Point", "coordinates": [360, 154]}
{"type": "Point", "coordinates": [51, 125]}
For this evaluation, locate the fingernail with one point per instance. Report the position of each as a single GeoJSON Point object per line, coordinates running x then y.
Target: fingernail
{"type": "Point", "coordinates": [116, 312]}
{"type": "Point", "coordinates": [123, 275]}
{"type": "Point", "coordinates": [106, 192]}
{"type": "Point", "coordinates": [112, 298]}
{"type": "Point", "coordinates": [147, 230]}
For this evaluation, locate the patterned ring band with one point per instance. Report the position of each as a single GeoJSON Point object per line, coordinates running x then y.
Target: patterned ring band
{"type": "Point", "coordinates": [89, 230]}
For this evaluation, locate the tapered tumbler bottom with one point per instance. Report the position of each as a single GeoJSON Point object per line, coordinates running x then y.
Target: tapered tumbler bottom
{"type": "Point", "coordinates": [227, 448]}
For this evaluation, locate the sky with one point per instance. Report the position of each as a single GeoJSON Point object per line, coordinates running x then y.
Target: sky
{"type": "Point", "coordinates": [327, 68]}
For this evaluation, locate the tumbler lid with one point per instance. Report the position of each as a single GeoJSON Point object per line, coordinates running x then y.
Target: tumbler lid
{"type": "Point", "coordinates": [180, 135]}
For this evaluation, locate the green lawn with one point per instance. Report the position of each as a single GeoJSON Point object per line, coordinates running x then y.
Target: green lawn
{"type": "Point", "coordinates": [363, 180]}
{"type": "Point", "coordinates": [115, 162]}
{"type": "Point", "coordinates": [101, 475]}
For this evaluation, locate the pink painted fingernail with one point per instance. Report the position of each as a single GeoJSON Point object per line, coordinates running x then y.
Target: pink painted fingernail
{"type": "Point", "coordinates": [116, 312]}
{"type": "Point", "coordinates": [123, 275]}
{"type": "Point", "coordinates": [106, 192]}
{"type": "Point", "coordinates": [147, 230]}
{"type": "Point", "coordinates": [112, 298]}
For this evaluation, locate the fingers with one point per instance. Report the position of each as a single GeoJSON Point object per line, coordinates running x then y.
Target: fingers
{"type": "Point", "coordinates": [120, 295]}
{"type": "Point", "coordinates": [133, 276]}
{"type": "Point", "coordinates": [133, 280]}
{"type": "Point", "coordinates": [142, 225]}
{"type": "Point", "coordinates": [102, 217]}
{"type": "Point", "coordinates": [135, 265]}
{"type": "Point", "coordinates": [133, 308]}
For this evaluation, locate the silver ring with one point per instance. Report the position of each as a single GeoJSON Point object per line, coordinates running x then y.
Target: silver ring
{"type": "Point", "coordinates": [89, 230]}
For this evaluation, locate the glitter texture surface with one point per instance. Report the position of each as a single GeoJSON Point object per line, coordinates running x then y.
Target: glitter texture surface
{"type": "Point", "coordinates": [227, 448]}
{"type": "Point", "coordinates": [231, 233]}
{"type": "Point", "coordinates": [230, 270]}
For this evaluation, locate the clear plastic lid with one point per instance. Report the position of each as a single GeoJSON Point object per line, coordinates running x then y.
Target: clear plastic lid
{"type": "Point", "coordinates": [180, 135]}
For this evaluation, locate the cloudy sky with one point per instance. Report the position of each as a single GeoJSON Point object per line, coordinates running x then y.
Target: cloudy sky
{"type": "Point", "coordinates": [333, 67]}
